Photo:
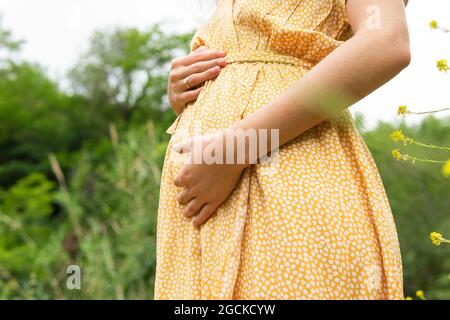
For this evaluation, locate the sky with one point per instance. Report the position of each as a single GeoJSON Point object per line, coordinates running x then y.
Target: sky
{"type": "Point", "coordinates": [57, 32]}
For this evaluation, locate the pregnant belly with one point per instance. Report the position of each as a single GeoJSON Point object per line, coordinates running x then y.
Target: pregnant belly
{"type": "Point", "coordinates": [240, 89]}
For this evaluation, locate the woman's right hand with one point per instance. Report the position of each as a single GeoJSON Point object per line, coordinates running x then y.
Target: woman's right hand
{"type": "Point", "coordinates": [189, 73]}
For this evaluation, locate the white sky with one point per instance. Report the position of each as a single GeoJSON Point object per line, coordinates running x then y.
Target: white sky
{"type": "Point", "coordinates": [57, 31]}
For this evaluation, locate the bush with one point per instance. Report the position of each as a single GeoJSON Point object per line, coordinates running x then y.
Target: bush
{"type": "Point", "coordinates": [107, 227]}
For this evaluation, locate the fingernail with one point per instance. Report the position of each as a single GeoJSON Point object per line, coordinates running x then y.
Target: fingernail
{"type": "Point", "coordinates": [215, 69]}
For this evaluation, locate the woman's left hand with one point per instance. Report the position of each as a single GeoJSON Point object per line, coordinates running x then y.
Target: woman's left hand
{"type": "Point", "coordinates": [206, 185]}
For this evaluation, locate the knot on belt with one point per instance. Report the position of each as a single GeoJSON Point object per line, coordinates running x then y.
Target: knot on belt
{"type": "Point", "coordinates": [267, 56]}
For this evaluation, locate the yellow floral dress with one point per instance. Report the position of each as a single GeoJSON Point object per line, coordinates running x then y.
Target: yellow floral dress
{"type": "Point", "coordinates": [320, 225]}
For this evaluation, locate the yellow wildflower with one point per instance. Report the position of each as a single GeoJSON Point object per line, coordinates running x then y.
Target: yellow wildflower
{"type": "Point", "coordinates": [402, 110]}
{"type": "Point", "coordinates": [436, 238]}
{"type": "Point", "coordinates": [397, 135]}
{"type": "Point", "coordinates": [396, 154]}
{"type": "Point", "coordinates": [433, 24]}
{"type": "Point", "coordinates": [420, 294]}
{"type": "Point", "coordinates": [442, 65]}
{"type": "Point", "coordinates": [446, 169]}
{"type": "Point", "coordinates": [408, 298]}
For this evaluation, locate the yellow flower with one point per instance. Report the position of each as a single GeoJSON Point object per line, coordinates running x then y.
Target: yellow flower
{"type": "Point", "coordinates": [402, 110]}
{"type": "Point", "coordinates": [396, 154]}
{"type": "Point", "coordinates": [420, 294]}
{"type": "Point", "coordinates": [397, 135]}
{"type": "Point", "coordinates": [433, 24]}
{"type": "Point", "coordinates": [442, 65]}
{"type": "Point", "coordinates": [408, 298]}
{"type": "Point", "coordinates": [436, 238]}
{"type": "Point", "coordinates": [446, 169]}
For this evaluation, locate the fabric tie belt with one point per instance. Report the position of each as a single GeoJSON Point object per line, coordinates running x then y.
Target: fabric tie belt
{"type": "Point", "coordinates": [267, 56]}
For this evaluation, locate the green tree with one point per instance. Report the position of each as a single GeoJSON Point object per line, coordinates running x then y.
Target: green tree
{"type": "Point", "coordinates": [36, 117]}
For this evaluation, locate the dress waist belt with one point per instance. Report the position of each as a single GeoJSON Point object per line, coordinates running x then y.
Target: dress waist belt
{"type": "Point", "coordinates": [267, 56]}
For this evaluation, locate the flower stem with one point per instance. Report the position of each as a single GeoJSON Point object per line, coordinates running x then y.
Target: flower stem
{"type": "Point", "coordinates": [429, 145]}
{"type": "Point", "coordinates": [413, 159]}
{"type": "Point", "coordinates": [432, 111]}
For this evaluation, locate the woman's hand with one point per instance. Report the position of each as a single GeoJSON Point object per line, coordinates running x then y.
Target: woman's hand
{"type": "Point", "coordinates": [188, 73]}
{"type": "Point", "coordinates": [206, 185]}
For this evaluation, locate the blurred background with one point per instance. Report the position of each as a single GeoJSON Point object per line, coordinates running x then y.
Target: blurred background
{"type": "Point", "coordinates": [83, 113]}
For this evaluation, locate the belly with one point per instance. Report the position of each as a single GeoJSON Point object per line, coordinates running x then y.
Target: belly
{"type": "Point", "coordinates": [240, 89]}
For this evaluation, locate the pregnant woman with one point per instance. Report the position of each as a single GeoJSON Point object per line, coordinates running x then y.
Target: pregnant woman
{"type": "Point", "coordinates": [318, 224]}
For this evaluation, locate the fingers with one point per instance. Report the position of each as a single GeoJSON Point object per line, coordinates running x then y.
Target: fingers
{"type": "Point", "coordinates": [178, 93]}
{"type": "Point", "coordinates": [201, 48]}
{"type": "Point", "coordinates": [193, 208]}
{"type": "Point", "coordinates": [202, 55]}
{"type": "Point", "coordinates": [196, 79]}
{"type": "Point", "coordinates": [180, 180]}
{"type": "Point", "coordinates": [200, 78]}
{"type": "Point", "coordinates": [205, 213]}
{"type": "Point", "coordinates": [200, 68]}
{"type": "Point", "coordinates": [188, 96]}
{"type": "Point", "coordinates": [184, 197]}
{"type": "Point", "coordinates": [196, 72]}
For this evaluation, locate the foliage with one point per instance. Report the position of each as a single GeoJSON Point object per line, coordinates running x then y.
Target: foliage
{"type": "Point", "coordinates": [121, 79]}
{"type": "Point", "coordinates": [112, 219]}
{"type": "Point", "coordinates": [418, 195]}
{"type": "Point", "coordinates": [107, 227]}
{"type": "Point", "coordinates": [36, 118]}
{"type": "Point", "coordinates": [109, 203]}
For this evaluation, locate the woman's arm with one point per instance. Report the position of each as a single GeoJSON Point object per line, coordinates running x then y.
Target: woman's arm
{"type": "Point", "coordinates": [365, 62]}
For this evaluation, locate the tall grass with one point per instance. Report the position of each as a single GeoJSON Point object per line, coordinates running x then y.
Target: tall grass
{"type": "Point", "coordinates": [112, 210]}
{"type": "Point", "coordinates": [106, 226]}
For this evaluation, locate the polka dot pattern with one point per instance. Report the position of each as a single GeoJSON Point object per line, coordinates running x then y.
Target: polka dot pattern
{"type": "Point", "coordinates": [318, 225]}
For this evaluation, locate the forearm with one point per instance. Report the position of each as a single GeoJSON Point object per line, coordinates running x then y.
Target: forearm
{"type": "Point", "coordinates": [348, 74]}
